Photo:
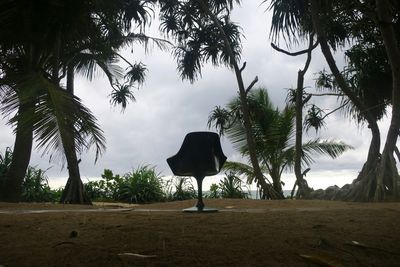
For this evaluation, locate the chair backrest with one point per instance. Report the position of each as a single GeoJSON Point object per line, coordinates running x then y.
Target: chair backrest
{"type": "Point", "coordinates": [200, 155]}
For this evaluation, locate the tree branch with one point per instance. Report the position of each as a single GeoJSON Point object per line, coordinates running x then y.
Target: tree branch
{"type": "Point", "coordinates": [305, 171]}
{"type": "Point", "coordinates": [309, 51]}
{"type": "Point", "coordinates": [336, 109]}
{"type": "Point", "coordinates": [251, 85]}
{"type": "Point", "coordinates": [293, 54]}
{"type": "Point", "coordinates": [325, 94]}
{"type": "Point", "coordinates": [306, 99]}
{"type": "Point", "coordinates": [396, 150]}
{"type": "Point", "coordinates": [243, 67]}
{"type": "Point", "coordinates": [124, 59]}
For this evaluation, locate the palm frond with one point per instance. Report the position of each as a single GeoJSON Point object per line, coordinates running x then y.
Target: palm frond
{"type": "Point", "coordinates": [147, 41]}
{"type": "Point", "coordinates": [136, 73]}
{"type": "Point", "coordinates": [244, 169]}
{"type": "Point", "coordinates": [189, 62]}
{"type": "Point", "coordinates": [199, 39]}
{"type": "Point", "coordinates": [87, 63]}
{"type": "Point", "coordinates": [288, 18]}
{"type": "Point", "coordinates": [240, 169]}
{"type": "Point", "coordinates": [121, 95]}
{"type": "Point", "coordinates": [220, 118]}
{"type": "Point", "coordinates": [323, 147]}
{"type": "Point", "coordinates": [56, 112]}
{"type": "Point", "coordinates": [314, 119]}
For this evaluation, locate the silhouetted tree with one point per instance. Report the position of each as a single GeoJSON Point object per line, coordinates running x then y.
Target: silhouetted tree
{"type": "Point", "coordinates": [274, 133]}
{"type": "Point", "coordinates": [335, 23]}
{"type": "Point", "coordinates": [205, 33]}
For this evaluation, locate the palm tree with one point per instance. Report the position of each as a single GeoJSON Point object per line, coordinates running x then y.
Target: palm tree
{"type": "Point", "coordinates": [72, 37]}
{"type": "Point", "coordinates": [101, 50]}
{"type": "Point", "coordinates": [274, 132]}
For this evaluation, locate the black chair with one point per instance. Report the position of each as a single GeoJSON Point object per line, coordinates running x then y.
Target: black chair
{"type": "Point", "coordinates": [200, 155]}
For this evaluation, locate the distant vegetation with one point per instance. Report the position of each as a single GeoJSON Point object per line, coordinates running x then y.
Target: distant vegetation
{"type": "Point", "coordinates": [145, 185]}
{"type": "Point", "coordinates": [141, 185]}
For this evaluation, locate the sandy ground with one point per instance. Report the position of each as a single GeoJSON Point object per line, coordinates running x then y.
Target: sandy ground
{"type": "Point", "coordinates": [243, 233]}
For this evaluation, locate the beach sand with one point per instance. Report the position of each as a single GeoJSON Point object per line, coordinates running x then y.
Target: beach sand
{"type": "Point", "coordinates": [242, 233]}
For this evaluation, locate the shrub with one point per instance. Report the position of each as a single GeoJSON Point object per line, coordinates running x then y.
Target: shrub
{"type": "Point", "coordinates": [5, 161]}
{"type": "Point", "coordinates": [142, 185]}
{"type": "Point", "coordinates": [214, 192]}
{"type": "Point", "coordinates": [231, 187]}
{"type": "Point", "coordinates": [184, 189]}
{"type": "Point", "coordinates": [35, 187]}
{"type": "Point", "coordinates": [105, 189]}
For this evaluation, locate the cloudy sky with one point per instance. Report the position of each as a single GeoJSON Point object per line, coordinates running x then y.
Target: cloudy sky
{"type": "Point", "coordinates": [152, 128]}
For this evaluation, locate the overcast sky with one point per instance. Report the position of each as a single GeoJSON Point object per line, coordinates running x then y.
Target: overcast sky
{"type": "Point", "coordinates": [152, 128]}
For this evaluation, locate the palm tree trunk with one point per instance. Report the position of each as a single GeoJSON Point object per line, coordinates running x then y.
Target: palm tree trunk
{"type": "Point", "coordinates": [74, 192]}
{"type": "Point", "coordinates": [11, 189]}
{"type": "Point", "coordinates": [277, 183]}
{"type": "Point", "coordinates": [244, 106]}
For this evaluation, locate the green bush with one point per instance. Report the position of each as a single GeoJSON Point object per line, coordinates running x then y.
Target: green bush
{"type": "Point", "coordinates": [35, 187]}
{"type": "Point", "coordinates": [231, 187]}
{"type": "Point", "coordinates": [214, 192]}
{"type": "Point", "coordinates": [184, 189]}
{"type": "Point", "coordinates": [105, 189]}
{"type": "Point", "coordinates": [5, 161]}
{"type": "Point", "coordinates": [142, 185]}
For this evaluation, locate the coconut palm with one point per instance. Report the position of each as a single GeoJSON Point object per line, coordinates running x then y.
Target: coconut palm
{"type": "Point", "coordinates": [274, 132]}
{"type": "Point", "coordinates": [73, 36]}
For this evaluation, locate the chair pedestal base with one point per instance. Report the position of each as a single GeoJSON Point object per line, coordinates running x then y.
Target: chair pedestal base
{"type": "Point", "coordinates": [200, 204]}
{"type": "Point", "coordinates": [196, 209]}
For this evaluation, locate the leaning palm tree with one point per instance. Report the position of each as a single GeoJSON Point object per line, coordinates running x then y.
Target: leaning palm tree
{"type": "Point", "coordinates": [49, 119]}
{"type": "Point", "coordinates": [274, 132]}
{"type": "Point", "coordinates": [74, 37]}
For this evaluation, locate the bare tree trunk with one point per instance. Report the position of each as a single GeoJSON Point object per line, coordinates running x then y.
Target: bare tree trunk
{"type": "Point", "coordinates": [11, 189]}
{"type": "Point", "coordinates": [265, 188]}
{"type": "Point", "coordinates": [388, 173]}
{"type": "Point", "coordinates": [299, 130]}
{"type": "Point", "coordinates": [365, 185]}
{"type": "Point", "coordinates": [303, 188]}
{"type": "Point", "coordinates": [74, 191]}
